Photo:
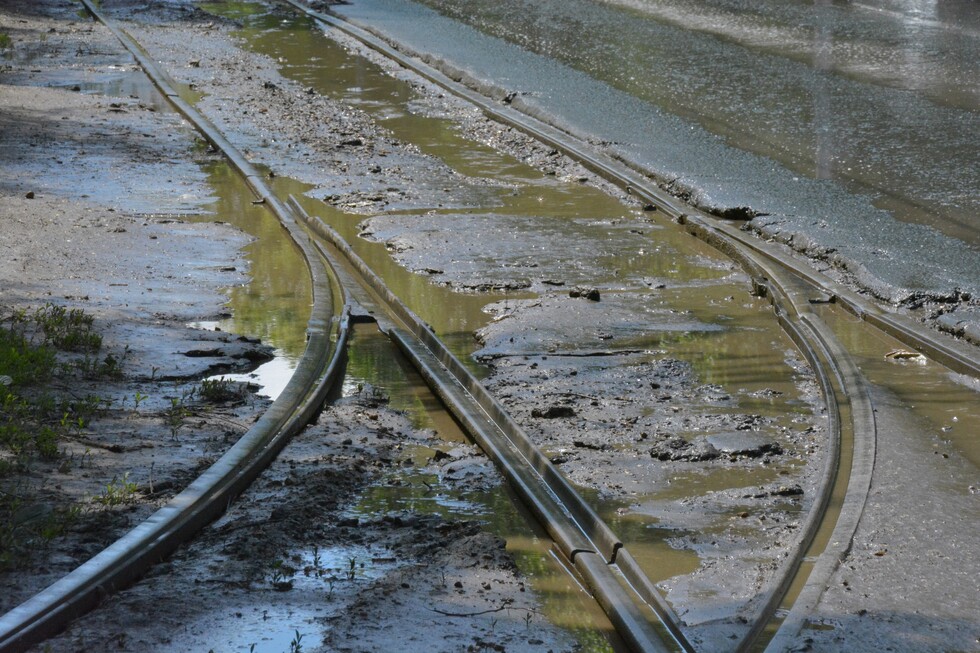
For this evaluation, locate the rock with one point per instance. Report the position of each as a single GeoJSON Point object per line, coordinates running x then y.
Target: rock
{"type": "Point", "coordinates": [589, 445]}
{"type": "Point", "coordinates": [204, 353]}
{"type": "Point", "coordinates": [788, 491]}
{"type": "Point", "coordinates": [743, 445]}
{"type": "Point", "coordinates": [589, 293]}
{"type": "Point", "coordinates": [680, 449]}
{"type": "Point", "coordinates": [29, 195]}
{"type": "Point", "coordinates": [553, 412]}
{"type": "Point", "coordinates": [440, 455]}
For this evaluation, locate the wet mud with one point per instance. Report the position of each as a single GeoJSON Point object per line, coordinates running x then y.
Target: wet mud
{"type": "Point", "coordinates": [92, 188]}
{"type": "Point", "coordinates": [293, 559]}
{"type": "Point", "coordinates": [603, 357]}
{"type": "Point", "coordinates": [841, 207]}
{"type": "Point", "coordinates": [636, 357]}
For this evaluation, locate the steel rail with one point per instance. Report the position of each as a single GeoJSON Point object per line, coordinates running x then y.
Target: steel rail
{"type": "Point", "coordinates": [581, 536]}
{"type": "Point", "coordinates": [815, 339]}
{"type": "Point", "coordinates": [209, 495]}
{"type": "Point", "coordinates": [944, 349]}
{"type": "Point", "coordinates": [566, 515]}
{"type": "Point", "coordinates": [600, 552]}
{"type": "Point", "coordinates": [856, 437]}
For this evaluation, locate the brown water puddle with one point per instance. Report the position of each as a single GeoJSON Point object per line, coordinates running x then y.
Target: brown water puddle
{"type": "Point", "coordinates": [275, 304]}
{"type": "Point", "coordinates": [949, 403]}
{"type": "Point", "coordinates": [564, 602]}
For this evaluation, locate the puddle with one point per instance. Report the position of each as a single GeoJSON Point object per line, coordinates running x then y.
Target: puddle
{"type": "Point", "coordinates": [947, 402]}
{"type": "Point", "coordinates": [744, 354]}
{"type": "Point", "coordinates": [259, 628]}
{"type": "Point", "coordinates": [271, 378]}
{"type": "Point", "coordinates": [275, 304]}
{"type": "Point", "coordinates": [408, 489]}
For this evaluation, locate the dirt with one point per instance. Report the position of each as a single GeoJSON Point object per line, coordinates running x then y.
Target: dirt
{"type": "Point", "coordinates": [94, 190]}
{"type": "Point", "coordinates": [79, 170]}
{"type": "Point", "coordinates": [291, 558]}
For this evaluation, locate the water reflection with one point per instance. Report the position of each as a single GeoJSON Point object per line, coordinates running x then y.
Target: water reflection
{"type": "Point", "coordinates": [744, 354]}
{"type": "Point", "coordinates": [275, 304]}
{"type": "Point", "coordinates": [407, 488]}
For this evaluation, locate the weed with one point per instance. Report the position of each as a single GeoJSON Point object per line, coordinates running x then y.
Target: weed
{"type": "Point", "coordinates": [25, 527]}
{"type": "Point", "coordinates": [23, 363]}
{"type": "Point", "coordinates": [318, 570]}
{"type": "Point", "coordinates": [5, 41]}
{"type": "Point", "coordinates": [296, 645]}
{"type": "Point", "coordinates": [176, 415]}
{"type": "Point", "coordinates": [218, 390]}
{"type": "Point", "coordinates": [67, 329]}
{"type": "Point", "coordinates": [279, 579]}
{"type": "Point", "coordinates": [95, 367]}
{"type": "Point", "coordinates": [118, 492]}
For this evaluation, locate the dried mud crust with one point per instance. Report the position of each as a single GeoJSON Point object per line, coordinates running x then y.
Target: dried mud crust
{"type": "Point", "coordinates": [956, 312]}
{"type": "Point", "coordinates": [76, 165]}
{"type": "Point", "coordinates": [296, 549]}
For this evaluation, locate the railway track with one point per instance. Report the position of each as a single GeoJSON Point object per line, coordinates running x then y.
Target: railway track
{"type": "Point", "coordinates": [641, 616]}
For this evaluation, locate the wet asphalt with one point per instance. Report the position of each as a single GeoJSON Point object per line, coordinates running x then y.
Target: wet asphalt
{"type": "Point", "coordinates": [852, 126]}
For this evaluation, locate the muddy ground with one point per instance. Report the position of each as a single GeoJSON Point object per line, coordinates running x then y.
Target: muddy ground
{"type": "Point", "coordinates": [575, 364]}
{"type": "Point", "coordinates": [94, 188]}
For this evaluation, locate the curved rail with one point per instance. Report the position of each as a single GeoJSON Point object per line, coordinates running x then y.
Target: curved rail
{"type": "Point", "coordinates": [940, 347]}
{"type": "Point", "coordinates": [842, 384]}
{"type": "Point", "coordinates": [209, 495]}
{"type": "Point", "coordinates": [592, 548]}
{"type": "Point", "coordinates": [582, 537]}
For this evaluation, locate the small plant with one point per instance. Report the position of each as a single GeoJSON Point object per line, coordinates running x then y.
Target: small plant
{"type": "Point", "coordinates": [94, 367]}
{"type": "Point", "coordinates": [351, 571]}
{"type": "Point", "coordinates": [296, 646]}
{"type": "Point", "coordinates": [527, 620]}
{"type": "Point", "coordinates": [25, 527]}
{"type": "Point", "coordinates": [5, 41]}
{"type": "Point", "coordinates": [218, 390]}
{"type": "Point", "coordinates": [176, 415]}
{"type": "Point", "coordinates": [139, 398]}
{"type": "Point", "coordinates": [67, 329]}
{"type": "Point", "coordinates": [21, 362]}
{"type": "Point", "coordinates": [318, 570]}
{"type": "Point", "coordinates": [118, 492]}
{"type": "Point", "coordinates": [280, 576]}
